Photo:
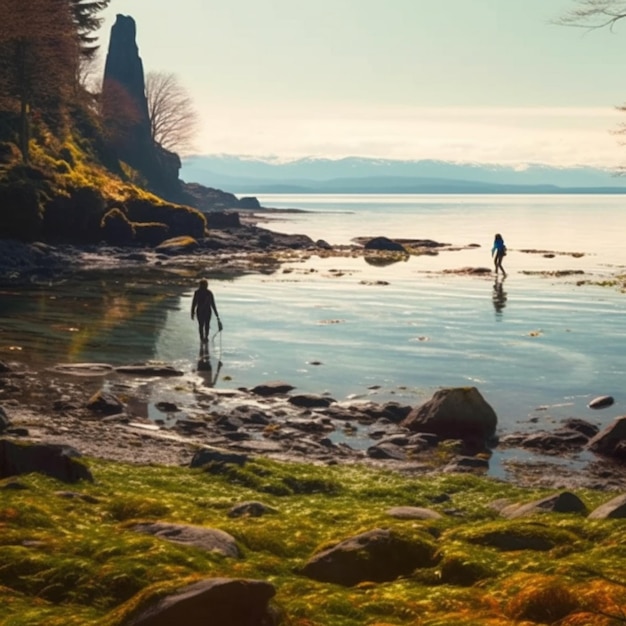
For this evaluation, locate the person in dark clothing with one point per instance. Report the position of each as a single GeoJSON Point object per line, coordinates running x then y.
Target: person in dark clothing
{"type": "Point", "coordinates": [498, 252]}
{"type": "Point", "coordinates": [202, 305]}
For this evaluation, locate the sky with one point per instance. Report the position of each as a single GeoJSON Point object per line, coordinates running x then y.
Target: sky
{"type": "Point", "coordinates": [486, 81]}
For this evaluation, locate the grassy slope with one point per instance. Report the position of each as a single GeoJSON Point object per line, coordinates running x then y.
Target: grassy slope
{"type": "Point", "coordinates": [68, 561]}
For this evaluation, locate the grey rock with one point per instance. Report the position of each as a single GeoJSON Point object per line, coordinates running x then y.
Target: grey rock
{"type": "Point", "coordinates": [601, 402]}
{"type": "Point", "coordinates": [456, 413]}
{"type": "Point", "coordinates": [84, 369]}
{"type": "Point", "coordinates": [386, 451]}
{"type": "Point", "coordinates": [148, 369]}
{"type": "Point", "coordinates": [73, 495]}
{"type": "Point", "coordinates": [215, 601]}
{"type": "Point", "coordinates": [615, 508]}
{"type": "Point", "coordinates": [105, 403]}
{"type": "Point", "coordinates": [229, 422]}
{"type": "Point", "coordinates": [581, 426]}
{"type": "Point", "coordinates": [612, 440]}
{"type": "Point", "coordinates": [564, 502]}
{"type": "Point", "coordinates": [272, 388]}
{"type": "Point", "coordinates": [14, 485]}
{"type": "Point", "coordinates": [377, 555]}
{"type": "Point", "coordinates": [214, 455]}
{"type": "Point", "coordinates": [556, 441]}
{"type": "Point", "coordinates": [510, 539]}
{"type": "Point", "coordinates": [5, 422]}
{"type": "Point", "coordinates": [385, 244]}
{"type": "Point", "coordinates": [208, 539]}
{"type": "Point", "coordinates": [56, 461]}
{"type": "Point", "coordinates": [413, 512]}
{"type": "Point", "coordinates": [467, 464]}
{"type": "Point", "coordinates": [310, 401]}
{"type": "Point", "coordinates": [252, 508]}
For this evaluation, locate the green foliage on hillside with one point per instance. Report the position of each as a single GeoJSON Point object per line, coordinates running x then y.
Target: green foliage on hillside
{"type": "Point", "coordinates": [76, 560]}
{"type": "Point", "coordinates": [65, 191]}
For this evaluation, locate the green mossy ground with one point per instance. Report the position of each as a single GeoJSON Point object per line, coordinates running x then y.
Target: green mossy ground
{"type": "Point", "coordinates": [74, 560]}
{"type": "Point", "coordinates": [71, 183]}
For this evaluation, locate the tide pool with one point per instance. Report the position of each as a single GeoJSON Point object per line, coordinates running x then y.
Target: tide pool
{"type": "Point", "coordinates": [538, 347]}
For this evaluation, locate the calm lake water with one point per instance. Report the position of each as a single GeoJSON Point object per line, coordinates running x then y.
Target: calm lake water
{"type": "Point", "coordinates": [537, 347]}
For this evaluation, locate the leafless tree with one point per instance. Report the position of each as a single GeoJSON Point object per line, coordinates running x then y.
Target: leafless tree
{"type": "Point", "coordinates": [593, 14]}
{"type": "Point", "coordinates": [173, 118]}
{"type": "Point", "coordinates": [119, 112]}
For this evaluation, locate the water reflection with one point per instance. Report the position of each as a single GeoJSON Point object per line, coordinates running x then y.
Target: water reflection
{"type": "Point", "coordinates": [96, 317]}
{"type": "Point", "coordinates": [499, 296]}
{"type": "Point", "coordinates": [205, 367]}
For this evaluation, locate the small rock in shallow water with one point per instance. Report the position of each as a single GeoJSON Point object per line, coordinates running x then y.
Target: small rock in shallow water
{"type": "Point", "coordinates": [601, 402]}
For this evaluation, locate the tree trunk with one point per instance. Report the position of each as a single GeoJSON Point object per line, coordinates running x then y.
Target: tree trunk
{"type": "Point", "coordinates": [24, 131]}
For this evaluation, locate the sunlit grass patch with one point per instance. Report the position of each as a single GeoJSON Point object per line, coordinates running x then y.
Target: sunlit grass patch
{"type": "Point", "coordinates": [77, 560]}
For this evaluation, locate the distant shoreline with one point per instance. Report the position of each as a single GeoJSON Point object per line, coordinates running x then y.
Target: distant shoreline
{"type": "Point", "coordinates": [561, 191]}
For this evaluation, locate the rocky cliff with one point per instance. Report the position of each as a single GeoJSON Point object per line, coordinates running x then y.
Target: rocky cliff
{"type": "Point", "coordinates": [126, 114]}
{"type": "Point", "coordinates": [125, 109]}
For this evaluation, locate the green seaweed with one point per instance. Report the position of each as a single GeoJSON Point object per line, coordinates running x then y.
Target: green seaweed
{"type": "Point", "coordinates": [75, 559]}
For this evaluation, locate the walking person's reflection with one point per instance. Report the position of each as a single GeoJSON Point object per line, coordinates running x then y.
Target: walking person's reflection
{"type": "Point", "coordinates": [205, 367]}
{"type": "Point", "coordinates": [498, 296]}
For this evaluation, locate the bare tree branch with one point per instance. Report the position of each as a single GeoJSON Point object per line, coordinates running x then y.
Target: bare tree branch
{"type": "Point", "coordinates": [595, 14]}
{"type": "Point", "coordinates": [173, 118]}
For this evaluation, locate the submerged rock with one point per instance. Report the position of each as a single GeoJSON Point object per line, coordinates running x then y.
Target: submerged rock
{"type": "Point", "coordinates": [386, 244]}
{"type": "Point", "coordinates": [149, 369]}
{"type": "Point", "coordinates": [601, 402]}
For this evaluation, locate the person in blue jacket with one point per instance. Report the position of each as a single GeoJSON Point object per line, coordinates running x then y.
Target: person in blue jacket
{"type": "Point", "coordinates": [498, 252]}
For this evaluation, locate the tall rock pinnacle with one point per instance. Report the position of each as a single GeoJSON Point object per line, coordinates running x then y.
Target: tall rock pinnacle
{"type": "Point", "coordinates": [125, 109]}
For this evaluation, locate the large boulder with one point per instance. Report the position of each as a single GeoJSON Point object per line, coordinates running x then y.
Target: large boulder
{"type": "Point", "coordinates": [215, 601]}
{"type": "Point", "coordinates": [456, 413]}
{"type": "Point", "coordinates": [377, 555]}
{"type": "Point", "coordinates": [56, 461]}
{"type": "Point", "coordinates": [612, 440]}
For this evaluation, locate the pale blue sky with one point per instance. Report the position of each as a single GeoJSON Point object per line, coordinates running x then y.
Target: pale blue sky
{"type": "Point", "coordinates": [468, 80]}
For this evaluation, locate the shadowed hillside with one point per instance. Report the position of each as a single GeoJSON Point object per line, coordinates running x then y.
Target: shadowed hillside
{"type": "Point", "coordinates": [79, 166]}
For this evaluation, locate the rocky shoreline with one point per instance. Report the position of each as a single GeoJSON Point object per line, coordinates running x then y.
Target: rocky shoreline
{"type": "Point", "coordinates": [93, 407]}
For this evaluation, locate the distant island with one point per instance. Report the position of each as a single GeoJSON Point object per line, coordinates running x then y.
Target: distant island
{"type": "Point", "coordinates": [367, 175]}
